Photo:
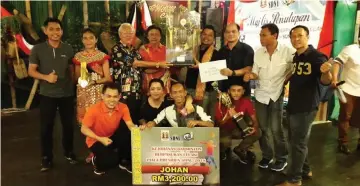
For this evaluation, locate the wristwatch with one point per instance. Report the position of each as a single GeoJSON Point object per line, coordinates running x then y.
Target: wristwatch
{"type": "Point", "coordinates": [233, 73]}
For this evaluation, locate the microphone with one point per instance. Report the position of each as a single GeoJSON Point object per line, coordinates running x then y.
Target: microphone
{"type": "Point", "coordinates": [339, 92]}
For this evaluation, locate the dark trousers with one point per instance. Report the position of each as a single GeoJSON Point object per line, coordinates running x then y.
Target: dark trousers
{"type": "Point", "coordinates": [270, 121]}
{"type": "Point", "coordinates": [48, 108]}
{"type": "Point", "coordinates": [300, 129]}
{"type": "Point", "coordinates": [106, 157]}
{"type": "Point", "coordinates": [226, 137]}
{"type": "Point", "coordinates": [346, 113]}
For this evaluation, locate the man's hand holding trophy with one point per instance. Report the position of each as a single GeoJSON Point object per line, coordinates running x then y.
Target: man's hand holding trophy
{"type": "Point", "coordinates": [238, 117]}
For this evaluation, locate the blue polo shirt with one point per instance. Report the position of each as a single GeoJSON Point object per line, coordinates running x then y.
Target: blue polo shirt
{"type": "Point", "coordinates": [305, 86]}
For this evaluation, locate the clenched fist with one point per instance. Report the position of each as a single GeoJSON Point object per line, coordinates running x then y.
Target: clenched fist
{"type": "Point", "coordinates": [326, 67]}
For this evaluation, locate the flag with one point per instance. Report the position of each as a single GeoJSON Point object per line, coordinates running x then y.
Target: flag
{"type": "Point", "coordinates": [134, 18]}
{"type": "Point", "coordinates": [145, 16]}
{"type": "Point", "coordinates": [5, 13]}
{"type": "Point", "coordinates": [326, 39]}
{"type": "Point", "coordinates": [231, 14]}
{"type": "Point", "coordinates": [23, 44]}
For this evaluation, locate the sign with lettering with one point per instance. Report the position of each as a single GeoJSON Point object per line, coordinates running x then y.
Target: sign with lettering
{"type": "Point", "coordinates": [176, 156]}
{"type": "Point", "coordinates": [286, 14]}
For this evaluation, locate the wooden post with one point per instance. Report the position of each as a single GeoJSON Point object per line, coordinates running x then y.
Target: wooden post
{"type": "Point", "coordinates": [85, 14]}
{"type": "Point", "coordinates": [127, 7]}
{"type": "Point", "coordinates": [28, 9]}
{"type": "Point", "coordinates": [50, 10]}
{"type": "Point", "coordinates": [107, 10]}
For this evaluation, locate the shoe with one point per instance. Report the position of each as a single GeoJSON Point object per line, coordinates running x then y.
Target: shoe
{"type": "Point", "coordinates": [307, 175]}
{"type": "Point", "coordinates": [278, 166]}
{"type": "Point", "coordinates": [71, 158]}
{"type": "Point", "coordinates": [242, 156]}
{"type": "Point", "coordinates": [89, 157]}
{"type": "Point", "coordinates": [96, 171]}
{"type": "Point", "coordinates": [46, 164]}
{"type": "Point", "coordinates": [343, 149]}
{"type": "Point", "coordinates": [264, 163]}
{"type": "Point", "coordinates": [125, 166]}
{"type": "Point", "coordinates": [290, 184]}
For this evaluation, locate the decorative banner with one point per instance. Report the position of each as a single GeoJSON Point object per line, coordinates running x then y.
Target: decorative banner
{"type": "Point", "coordinates": [286, 14]}
{"type": "Point", "coordinates": [176, 156]}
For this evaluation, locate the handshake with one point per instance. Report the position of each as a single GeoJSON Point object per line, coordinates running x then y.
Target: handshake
{"type": "Point", "coordinates": [250, 76]}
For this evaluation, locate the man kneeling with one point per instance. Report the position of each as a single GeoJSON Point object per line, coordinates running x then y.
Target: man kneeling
{"type": "Point", "coordinates": [230, 121]}
{"type": "Point", "coordinates": [101, 126]}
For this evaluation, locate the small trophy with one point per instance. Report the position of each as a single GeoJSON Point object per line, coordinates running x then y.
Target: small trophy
{"type": "Point", "coordinates": [84, 75]}
{"type": "Point", "coordinates": [225, 99]}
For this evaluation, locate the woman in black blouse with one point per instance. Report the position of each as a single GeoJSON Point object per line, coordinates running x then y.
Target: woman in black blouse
{"type": "Point", "coordinates": [157, 101]}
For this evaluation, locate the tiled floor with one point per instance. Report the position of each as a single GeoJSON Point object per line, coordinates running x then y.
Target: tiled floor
{"type": "Point", "coordinates": [20, 160]}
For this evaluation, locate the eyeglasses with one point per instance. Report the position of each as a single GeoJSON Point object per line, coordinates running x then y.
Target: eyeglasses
{"type": "Point", "coordinates": [127, 33]}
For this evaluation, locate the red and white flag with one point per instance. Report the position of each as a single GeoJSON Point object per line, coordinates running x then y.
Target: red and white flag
{"type": "Point", "coordinates": [145, 16]}
{"type": "Point", "coordinates": [23, 44]}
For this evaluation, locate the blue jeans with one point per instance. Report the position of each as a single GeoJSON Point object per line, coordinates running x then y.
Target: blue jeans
{"type": "Point", "coordinates": [270, 121]}
{"type": "Point", "coordinates": [299, 129]}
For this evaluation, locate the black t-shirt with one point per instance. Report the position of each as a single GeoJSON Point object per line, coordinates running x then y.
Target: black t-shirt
{"type": "Point", "coordinates": [193, 73]}
{"type": "Point", "coordinates": [149, 113]}
{"type": "Point", "coordinates": [241, 56]}
{"type": "Point", "coordinates": [305, 86]}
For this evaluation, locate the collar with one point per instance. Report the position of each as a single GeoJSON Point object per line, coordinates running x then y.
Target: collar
{"type": "Point", "coordinates": [106, 110]}
{"type": "Point", "coordinates": [237, 45]}
{"type": "Point", "coordinates": [48, 44]}
{"type": "Point", "coordinates": [161, 46]}
{"type": "Point", "coordinates": [307, 51]}
{"type": "Point", "coordinates": [276, 49]}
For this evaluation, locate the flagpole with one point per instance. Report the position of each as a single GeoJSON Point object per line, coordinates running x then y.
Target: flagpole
{"type": "Point", "coordinates": [85, 14]}
{"type": "Point", "coordinates": [50, 9]}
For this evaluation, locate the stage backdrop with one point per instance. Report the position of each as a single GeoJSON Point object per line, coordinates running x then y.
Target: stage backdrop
{"type": "Point", "coordinates": [179, 156]}
{"type": "Point", "coordinates": [251, 15]}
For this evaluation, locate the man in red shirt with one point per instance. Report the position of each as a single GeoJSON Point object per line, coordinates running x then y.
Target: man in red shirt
{"type": "Point", "coordinates": [101, 128]}
{"type": "Point", "coordinates": [225, 118]}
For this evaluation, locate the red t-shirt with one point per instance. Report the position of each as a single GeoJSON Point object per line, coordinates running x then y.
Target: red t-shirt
{"type": "Point", "coordinates": [97, 118]}
{"type": "Point", "coordinates": [242, 105]}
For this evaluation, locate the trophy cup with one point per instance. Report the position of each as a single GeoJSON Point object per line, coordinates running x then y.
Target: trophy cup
{"type": "Point", "coordinates": [84, 75]}
{"type": "Point", "coordinates": [225, 99]}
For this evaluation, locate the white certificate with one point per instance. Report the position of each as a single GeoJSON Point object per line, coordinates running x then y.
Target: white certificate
{"type": "Point", "coordinates": [210, 71]}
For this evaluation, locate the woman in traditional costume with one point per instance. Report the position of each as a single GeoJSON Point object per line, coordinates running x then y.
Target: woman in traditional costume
{"type": "Point", "coordinates": [92, 71]}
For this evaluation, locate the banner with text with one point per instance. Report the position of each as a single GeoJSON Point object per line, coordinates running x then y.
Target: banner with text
{"type": "Point", "coordinates": [286, 14]}
{"type": "Point", "coordinates": [176, 156]}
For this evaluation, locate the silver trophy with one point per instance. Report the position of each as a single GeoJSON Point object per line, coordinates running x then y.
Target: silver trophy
{"type": "Point", "coordinates": [225, 99]}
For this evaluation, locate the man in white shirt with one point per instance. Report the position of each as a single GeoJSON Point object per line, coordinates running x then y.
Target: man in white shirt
{"type": "Point", "coordinates": [349, 59]}
{"type": "Point", "coordinates": [272, 63]}
{"type": "Point", "coordinates": [176, 114]}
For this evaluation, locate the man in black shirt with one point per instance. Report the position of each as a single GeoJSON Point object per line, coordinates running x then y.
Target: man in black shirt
{"type": "Point", "coordinates": [239, 58]}
{"type": "Point", "coordinates": [310, 70]}
{"type": "Point", "coordinates": [206, 52]}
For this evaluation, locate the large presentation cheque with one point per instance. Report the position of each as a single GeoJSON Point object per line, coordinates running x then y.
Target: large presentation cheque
{"type": "Point", "coordinates": [176, 156]}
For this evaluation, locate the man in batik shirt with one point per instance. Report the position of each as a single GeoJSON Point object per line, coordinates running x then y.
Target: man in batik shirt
{"type": "Point", "coordinates": [124, 73]}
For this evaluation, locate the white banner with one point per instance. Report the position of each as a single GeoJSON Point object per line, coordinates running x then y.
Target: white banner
{"type": "Point", "coordinates": [286, 14]}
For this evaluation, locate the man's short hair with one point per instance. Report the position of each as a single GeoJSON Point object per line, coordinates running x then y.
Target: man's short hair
{"type": "Point", "coordinates": [178, 83]}
{"type": "Point", "coordinates": [112, 86]}
{"type": "Point", "coordinates": [236, 84]}
{"type": "Point", "coordinates": [125, 25]}
{"type": "Point", "coordinates": [209, 27]}
{"type": "Point", "coordinates": [300, 26]}
{"type": "Point", "coordinates": [272, 28]}
{"type": "Point", "coordinates": [152, 27]}
{"type": "Point", "coordinates": [52, 20]}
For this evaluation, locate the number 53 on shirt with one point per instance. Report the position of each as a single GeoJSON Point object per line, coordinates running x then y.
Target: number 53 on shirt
{"type": "Point", "coordinates": [302, 68]}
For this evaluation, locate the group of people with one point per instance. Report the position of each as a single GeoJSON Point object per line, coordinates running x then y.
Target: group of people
{"type": "Point", "coordinates": [136, 87]}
